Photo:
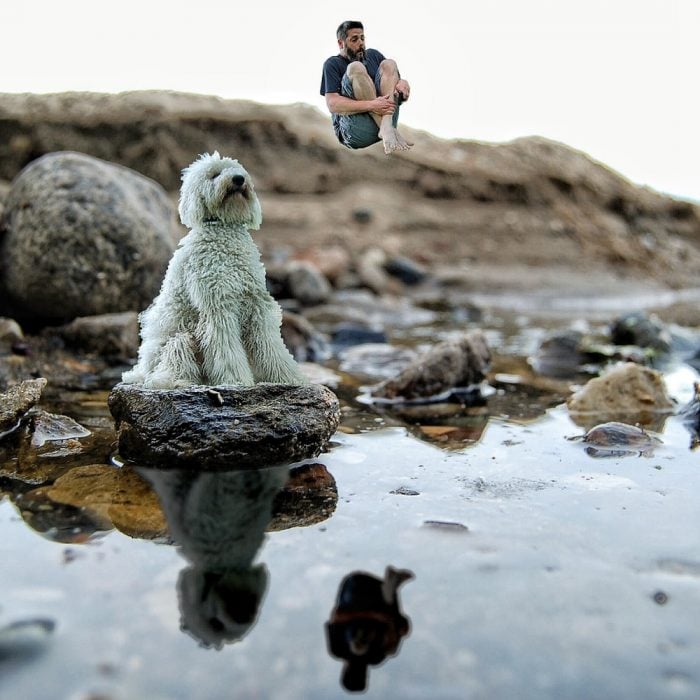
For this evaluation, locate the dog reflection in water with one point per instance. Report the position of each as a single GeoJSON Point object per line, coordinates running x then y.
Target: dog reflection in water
{"type": "Point", "coordinates": [366, 624]}
{"type": "Point", "coordinates": [219, 520]}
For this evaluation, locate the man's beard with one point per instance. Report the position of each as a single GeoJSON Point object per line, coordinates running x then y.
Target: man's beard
{"type": "Point", "coordinates": [356, 56]}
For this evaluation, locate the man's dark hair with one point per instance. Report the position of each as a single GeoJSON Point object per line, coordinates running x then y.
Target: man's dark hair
{"type": "Point", "coordinates": [345, 27]}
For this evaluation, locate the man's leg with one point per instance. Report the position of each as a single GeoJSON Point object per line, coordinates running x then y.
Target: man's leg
{"type": "Point", "coordinates": [364, 89]}
{"type": "Point", "coordinates": [358, 130]}
{"type": "Point", "coordinates": [387, 77]}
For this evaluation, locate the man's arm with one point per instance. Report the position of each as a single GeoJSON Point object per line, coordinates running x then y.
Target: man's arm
{"type": "Point", "coordinates": [339, 104]}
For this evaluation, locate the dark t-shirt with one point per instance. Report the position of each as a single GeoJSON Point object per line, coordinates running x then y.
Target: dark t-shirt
{"type": "Point", "coordinates": [334, 69]}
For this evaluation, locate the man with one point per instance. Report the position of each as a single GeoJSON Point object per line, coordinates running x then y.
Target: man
{"type": "Point", "coordinates": [363, 92]}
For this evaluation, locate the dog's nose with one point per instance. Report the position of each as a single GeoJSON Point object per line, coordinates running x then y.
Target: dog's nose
{"type": "Point", "coordinates": [238, 180]}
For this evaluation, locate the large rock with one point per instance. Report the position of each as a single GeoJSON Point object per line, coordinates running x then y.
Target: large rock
{"type": "Point", "coordinates": [452, 364]}
{"type": "Point", "coordinates": [626, 390]}
{"type": "Point", "coordinates": [223, 427]}
{"type": "Point", "coordinates": [83, 237]}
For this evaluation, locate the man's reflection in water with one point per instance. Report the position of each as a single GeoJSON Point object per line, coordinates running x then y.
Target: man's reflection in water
{"type": "Point", "coordinates": [366, 624]}
{"type": "Point", "coordinates": [219, 520]}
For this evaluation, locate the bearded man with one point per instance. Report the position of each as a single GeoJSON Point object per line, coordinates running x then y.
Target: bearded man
{"type": "Point", "coordinates": [363, 91]}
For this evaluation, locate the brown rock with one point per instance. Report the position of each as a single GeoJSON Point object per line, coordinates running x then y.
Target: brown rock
{"type": "Point", "coordinates": [625, 390]}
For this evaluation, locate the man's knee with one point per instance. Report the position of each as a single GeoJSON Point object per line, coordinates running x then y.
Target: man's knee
{"type": "Point", "coordinates": [356, 69]}
{"type": "Point", "coordinates": [388, 67]}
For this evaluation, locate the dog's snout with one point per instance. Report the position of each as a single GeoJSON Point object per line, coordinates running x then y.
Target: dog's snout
{"type": "Point", "coordinates": [238, 180]}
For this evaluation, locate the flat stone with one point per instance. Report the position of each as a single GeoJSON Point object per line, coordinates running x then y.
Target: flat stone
{"type": "Point", "coordinates": [223, 427]}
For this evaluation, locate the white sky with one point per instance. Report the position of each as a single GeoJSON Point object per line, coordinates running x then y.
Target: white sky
{"type": "Point", "coordinates": [615, 78]}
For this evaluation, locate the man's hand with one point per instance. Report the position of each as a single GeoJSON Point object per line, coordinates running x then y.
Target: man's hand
{"type": "Point", "coordinates": [383, 105]}
{"type": "Point", "coordinates": [402, 88]}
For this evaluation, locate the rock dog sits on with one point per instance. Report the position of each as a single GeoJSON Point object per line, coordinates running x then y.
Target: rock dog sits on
{"type": "Point", "coordinates": [214, 322]}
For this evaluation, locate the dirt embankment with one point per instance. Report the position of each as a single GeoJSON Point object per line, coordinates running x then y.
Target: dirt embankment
{"type": "Point", "coordinates": [531, 207]}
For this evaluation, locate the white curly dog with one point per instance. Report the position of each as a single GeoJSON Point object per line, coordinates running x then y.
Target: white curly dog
{"type": "Point", "coordinates": [214, 322]}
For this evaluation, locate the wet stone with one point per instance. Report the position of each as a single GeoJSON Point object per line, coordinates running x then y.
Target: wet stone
{"type": "Point", "coordinates": [615, 439]}
{"type": "Point", "coordinates": [246, 427]}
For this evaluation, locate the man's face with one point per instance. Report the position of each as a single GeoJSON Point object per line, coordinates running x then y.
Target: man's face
{"type": "Point", "coordinates": [354, 45]}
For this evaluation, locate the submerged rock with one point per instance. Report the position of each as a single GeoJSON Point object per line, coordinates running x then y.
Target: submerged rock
{"type": "Point", "coordinates": [83, 237]}
{"type": "Point", "coordinates": [450, 365]}
{"type": "Point", "coordinates": [17, 400]}
{"type": "Point", "coordinates": [223, 427]}
{"type": "Point", "coordinates": [625, 389]}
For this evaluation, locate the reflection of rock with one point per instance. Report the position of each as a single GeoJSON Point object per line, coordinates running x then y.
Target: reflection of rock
{"type": "Point", "coordinates": [119, 497]}
{"type": "Point", "coordinates": [59, 522]}
{"type": "Point", "coordinates": [17, 400]}
{"type": "Point", "coordinates": [452, 364]}
{"type": "Point", "coordinates": [219, 521]}
{"type": "Point", "coordinates": [109, 231]}
{"type": "Point", "coordinates": [626, 391]}
{"type": "Point", "coordinates": [367, 625]}
{"type": "Point", "coordinates": [309, 497]}
{"type": "Point", "coordinates": [223, 427]}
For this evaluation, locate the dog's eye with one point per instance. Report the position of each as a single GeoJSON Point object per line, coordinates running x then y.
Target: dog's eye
{"type": "Point", "coordinates": [213, 176]}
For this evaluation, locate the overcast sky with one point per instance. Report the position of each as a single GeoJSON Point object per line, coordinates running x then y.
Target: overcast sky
{"type": "Point", "coordinates": [615, 78]}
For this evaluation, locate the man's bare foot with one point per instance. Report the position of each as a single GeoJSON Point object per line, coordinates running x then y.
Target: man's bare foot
{"type": "Point", "coordinates": [393, 141]}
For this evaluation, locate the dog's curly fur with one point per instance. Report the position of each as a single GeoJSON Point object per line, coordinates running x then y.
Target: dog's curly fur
{"type": "Point", "coordinates": [214, 322]}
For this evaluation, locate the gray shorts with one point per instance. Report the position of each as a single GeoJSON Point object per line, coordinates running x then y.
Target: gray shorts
{"type": "Point", "coordinates": [360, 130]}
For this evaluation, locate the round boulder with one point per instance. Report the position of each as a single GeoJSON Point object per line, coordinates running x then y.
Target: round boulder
{"type": "Point", "coordinates": [223, 427]}
{"type": "Point", "coordinates": [81, 237]}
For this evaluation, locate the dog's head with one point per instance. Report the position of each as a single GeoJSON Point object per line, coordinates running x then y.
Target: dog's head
{"type": "Point", "coordinates": [218, 189]}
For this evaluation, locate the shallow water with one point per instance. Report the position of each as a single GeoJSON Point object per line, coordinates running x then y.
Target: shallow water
{"type": "Point", "coordinates": [539, 571]}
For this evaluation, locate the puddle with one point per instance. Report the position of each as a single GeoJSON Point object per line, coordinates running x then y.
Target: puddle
{"type": "Point", "coordinates": [531, 568]}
